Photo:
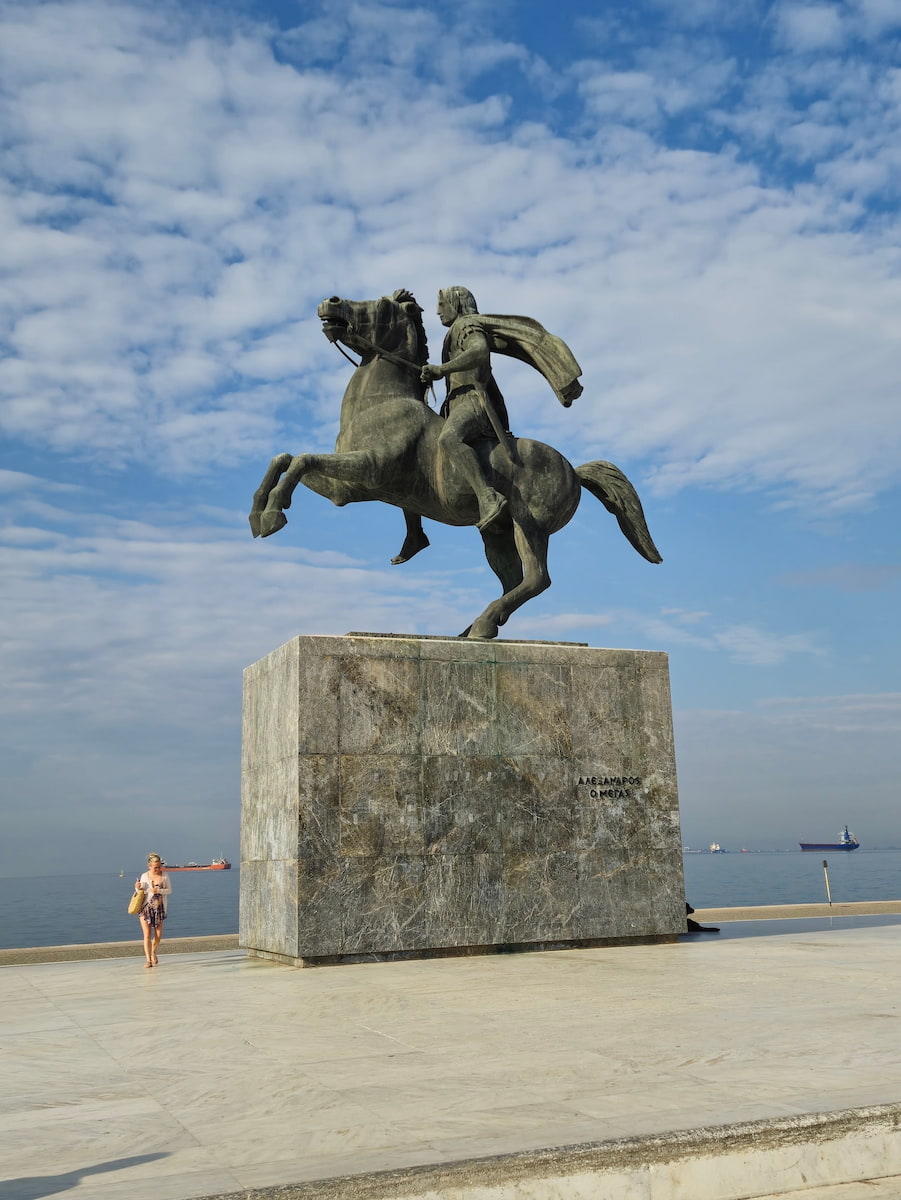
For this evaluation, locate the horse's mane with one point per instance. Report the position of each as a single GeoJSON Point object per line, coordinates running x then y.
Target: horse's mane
{"type": "Point", "coordinates": [407, 301]}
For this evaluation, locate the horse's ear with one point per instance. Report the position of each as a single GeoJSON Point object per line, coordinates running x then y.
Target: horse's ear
{"type": "Point", "coordinates": [406, 299]}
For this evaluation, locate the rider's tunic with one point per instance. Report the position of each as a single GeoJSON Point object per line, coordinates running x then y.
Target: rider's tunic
{"type": "Point", "coordinates": [470, 390]}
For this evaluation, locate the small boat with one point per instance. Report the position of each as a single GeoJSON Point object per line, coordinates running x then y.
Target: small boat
{"type": "Point", "coordinates": [218, 864]}
{"type": "Point", "coordinates": [716, 848]}
{"type": "Point", "coordinates": [846, 841]}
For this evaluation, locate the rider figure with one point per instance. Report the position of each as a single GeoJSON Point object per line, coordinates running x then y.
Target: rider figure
{"type": "Point", "coordinates": [474, 408]}
{"type": "Point", "coordinates": [472, 395]}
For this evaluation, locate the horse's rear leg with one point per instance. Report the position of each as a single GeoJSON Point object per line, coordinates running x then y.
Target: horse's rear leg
{"type": "Point", "coordinates": [504, 560]}
{"type": "Point", "coordinates": [530, 549]}
{"type": "Point", "coordinates": [274, 472]}
{"type": "Point", "coordinates": [503, 557]}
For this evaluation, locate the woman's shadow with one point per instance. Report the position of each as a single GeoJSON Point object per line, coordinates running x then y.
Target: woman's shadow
{"type": "Point", "coordinates": [35, 1187]}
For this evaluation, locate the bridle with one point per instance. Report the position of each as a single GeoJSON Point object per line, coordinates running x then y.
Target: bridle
{"type": "Point", "coordinates": [379, 352]}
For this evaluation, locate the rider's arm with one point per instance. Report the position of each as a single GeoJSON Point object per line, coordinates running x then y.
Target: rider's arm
{"type": "Point", "coordinates": [475, 356]}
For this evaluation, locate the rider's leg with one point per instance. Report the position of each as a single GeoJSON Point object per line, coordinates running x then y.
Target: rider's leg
{"type": "Point", "coordinates": [415, 540]}
{"type": "Point", "coordinates": [465, 421]}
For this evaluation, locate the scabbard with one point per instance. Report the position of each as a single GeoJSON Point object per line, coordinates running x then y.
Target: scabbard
{"type": "Point", "coordinates": [503, 438]}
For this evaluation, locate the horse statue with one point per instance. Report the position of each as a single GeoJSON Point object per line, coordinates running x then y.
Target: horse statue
{"type": "Point", "coordinates": [387, 449]}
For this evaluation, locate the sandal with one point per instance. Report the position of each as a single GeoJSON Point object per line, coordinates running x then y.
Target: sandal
{"type": "Point", "coordinates": [147, 964]}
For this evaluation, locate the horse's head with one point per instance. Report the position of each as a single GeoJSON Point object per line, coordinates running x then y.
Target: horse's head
{"type": "Point", "coordinates": [391, 323]}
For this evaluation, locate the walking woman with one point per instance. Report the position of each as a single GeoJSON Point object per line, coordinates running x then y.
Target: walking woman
{"type": "Point", "coordinates": [157, 888]}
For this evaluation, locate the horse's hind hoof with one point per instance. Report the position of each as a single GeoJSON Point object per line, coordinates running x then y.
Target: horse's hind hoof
{"type": "Point", "coordinates": [480, 631]}
{"type": "Point", "coordinates": [254, 520]}
{"type": "Point", "coordinates": [272, 523]}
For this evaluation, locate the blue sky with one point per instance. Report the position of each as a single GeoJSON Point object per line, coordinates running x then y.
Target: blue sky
{"type": "Point", "coordinates": [700, 197]}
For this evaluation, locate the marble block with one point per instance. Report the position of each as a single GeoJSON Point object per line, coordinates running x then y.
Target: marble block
{"type": "Point", "coordinates": [405, 795]}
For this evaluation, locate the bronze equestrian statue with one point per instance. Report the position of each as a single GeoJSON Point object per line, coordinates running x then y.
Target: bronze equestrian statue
{"type": "Point", "coordinates": [462, 467]}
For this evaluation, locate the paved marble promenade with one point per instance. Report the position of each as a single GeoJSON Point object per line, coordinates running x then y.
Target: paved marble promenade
{"type": "Point", "coordinates": [214, 1073]}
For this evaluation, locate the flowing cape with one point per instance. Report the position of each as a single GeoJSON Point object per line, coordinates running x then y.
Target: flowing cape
{"type": "Point", "coordinates": [530, 342]}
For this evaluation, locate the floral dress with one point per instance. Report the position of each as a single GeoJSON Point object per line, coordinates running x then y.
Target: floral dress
{"type": "Point", "coordinates": [154, 910]}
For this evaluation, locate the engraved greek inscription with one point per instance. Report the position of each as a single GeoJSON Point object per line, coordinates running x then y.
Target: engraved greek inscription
{"type": "Point", "coordinates": [609, 781]}
{"type": "Point", "coordinates": [610, 787]}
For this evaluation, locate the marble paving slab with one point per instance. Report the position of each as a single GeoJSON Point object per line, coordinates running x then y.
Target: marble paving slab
{"type": "Point", "coordinates": [216, 1072]}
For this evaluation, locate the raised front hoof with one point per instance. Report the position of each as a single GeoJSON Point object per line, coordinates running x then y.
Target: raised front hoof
{"type": "Point", "coordinates": [254, 520]}
{"type": "Point", "coordinates": [272, 522]}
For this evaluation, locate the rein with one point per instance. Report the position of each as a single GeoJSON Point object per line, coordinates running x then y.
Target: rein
{"type": "Point", "coordinates": [386, 354]}
{"type": "Point", "coordinates": [341, 350]}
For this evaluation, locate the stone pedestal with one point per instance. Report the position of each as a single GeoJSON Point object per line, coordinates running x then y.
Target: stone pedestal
{"type": "Point", "coordinates": [407, 795]}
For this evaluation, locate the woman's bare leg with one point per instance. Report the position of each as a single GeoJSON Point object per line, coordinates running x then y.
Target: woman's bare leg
{"type": "Point", "coordinates": [148, 935]}
{"type": "Point", "coordinates": [158, 937]}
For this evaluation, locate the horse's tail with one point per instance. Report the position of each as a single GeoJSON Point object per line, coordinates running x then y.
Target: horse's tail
{"type": "Point", "coordinates": [609, 485]}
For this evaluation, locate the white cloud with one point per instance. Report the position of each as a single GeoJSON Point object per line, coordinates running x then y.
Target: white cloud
{"type": "Point", "coordinates": [722, 323]}
{"type": "Point", "coordinates": [22, 481]}
{"type": "Point", "coordinates": [810, 27]}
{"type": "Point", "coordinates": [628, 96]}
{"type": "Point", "coordinates": [156, 610]}
{"type": "Point", "coordinates": [870, 714]}
{"type": "Point", "coordinates": [744, 644]}
{"type": "Point", "coordinates": [877, 17]}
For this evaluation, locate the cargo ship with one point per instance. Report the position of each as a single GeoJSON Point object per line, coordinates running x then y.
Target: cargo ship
{"type": "Point", "coordinates": [846, 841]}
{"type": "Point", "coordinates": [218, 864]}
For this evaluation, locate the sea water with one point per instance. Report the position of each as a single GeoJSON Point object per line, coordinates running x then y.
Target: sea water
{"type": "Point", "coordinates": [46, 911]}
{"type": "Point", "coordinates": [50, 911]}
{"type": "Point", "coordinates": [791, 877]}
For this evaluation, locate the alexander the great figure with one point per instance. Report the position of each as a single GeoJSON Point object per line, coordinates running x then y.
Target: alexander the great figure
{"type": "Point", "coordinates": [474, 407]}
